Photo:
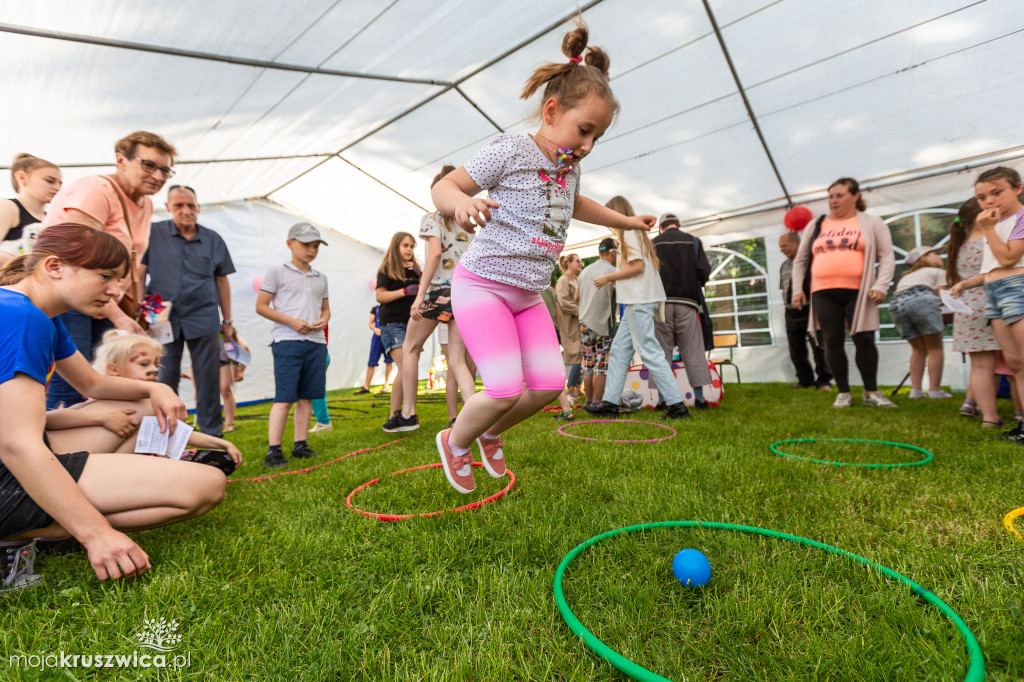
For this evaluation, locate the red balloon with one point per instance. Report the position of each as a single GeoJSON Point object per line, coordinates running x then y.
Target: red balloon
{"type": "Point", "coordinates": [797, 218]}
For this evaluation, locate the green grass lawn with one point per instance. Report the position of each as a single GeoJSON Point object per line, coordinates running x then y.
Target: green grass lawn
{"type": "Point", "coordinates": [283, 582]}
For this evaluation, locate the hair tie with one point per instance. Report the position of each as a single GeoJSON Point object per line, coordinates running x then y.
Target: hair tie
{"type": "Point", "coordinates": [956, 219]}
{"type": "Point", "coordinates": [576, 60]}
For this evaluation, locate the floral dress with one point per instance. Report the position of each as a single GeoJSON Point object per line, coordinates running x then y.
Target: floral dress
{"type": "Point", "coordinates": [972, 332]}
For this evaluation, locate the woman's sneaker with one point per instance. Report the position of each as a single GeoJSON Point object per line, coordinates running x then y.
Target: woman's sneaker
{"type": "Point", "coordinates": [603, 409]}
{"type": "Point", "coordinates": [878, 399]}
{"type": "Point", "coordinates": [676, 411]}
{"type": "Point", "coordinates": [939, 394]}
{"type": "Point", "coordinates": [457, 469]}
{"type": "Point", "coordinates": [916, 393]}
{"type": "Point", "coordinates": [492, 454]}
{"type": "Point", "coordinates": [843, 400]}
{"type": "Point", "coordinates": [17, 564]}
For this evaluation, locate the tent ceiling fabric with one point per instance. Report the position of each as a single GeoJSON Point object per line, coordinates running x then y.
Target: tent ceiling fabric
{"type": "Point", "coordinates": [870, 90]}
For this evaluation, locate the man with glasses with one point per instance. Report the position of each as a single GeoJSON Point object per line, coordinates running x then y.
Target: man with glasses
{"type": "Point", "coordinates": [119, 204]}
{"type": "Point", "coordinates": [188, 265]}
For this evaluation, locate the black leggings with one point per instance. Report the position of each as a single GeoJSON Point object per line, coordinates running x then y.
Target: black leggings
{"type": "Point", "coordinates": [833, 308]}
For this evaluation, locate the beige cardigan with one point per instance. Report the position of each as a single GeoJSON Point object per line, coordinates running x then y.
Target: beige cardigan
{"type": "Point", "coordinates": [877, 247]}
{"type": "Point", "coordinates": [567, 313]}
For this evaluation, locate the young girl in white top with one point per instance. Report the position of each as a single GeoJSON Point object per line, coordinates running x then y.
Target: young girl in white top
{"type": "Point", "coordinates": [446, 242]}
{"type": "Point", "coordinates": [638, 286]}
{"type": "Point", "coordinates": [916, 310]}
{"type": "Point", "coordinates": [1002, 266]}
{"type": "Point", "coordinates": [35, 182]}
{"type": "Point", "coordinates": [533, 192]}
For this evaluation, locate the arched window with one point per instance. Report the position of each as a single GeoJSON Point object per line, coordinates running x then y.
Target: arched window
{"type": "Point", "coordinates": [737, 292]}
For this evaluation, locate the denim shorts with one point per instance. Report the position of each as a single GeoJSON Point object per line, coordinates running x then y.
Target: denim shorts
{"type": "Point", "coordinates": [377, 350]}
{"type": "Point", "coordinates": [392, 335]}
{"type": "Point", "coordinates": [1005, 299]}
{"type": "Point", "coordinates": [916, 312]}
{"type": "Point", "coordinates": [300, 370]}
{"type": "Point", "coordinates": [18, 512]}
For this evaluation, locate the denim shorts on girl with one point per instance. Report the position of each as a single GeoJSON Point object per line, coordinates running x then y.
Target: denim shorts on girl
{"type": "Point", "coordinates": [1005, 299]}
{"type": "Point", "coordinates": [916, 312]}
{"type": "Point", "coordinates": [392, 335]}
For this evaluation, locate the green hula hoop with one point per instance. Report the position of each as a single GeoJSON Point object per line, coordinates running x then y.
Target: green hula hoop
{"type": "Point", "coordinates": [975, 669]}
{"type": "Point", "coordinates": [928, 456]}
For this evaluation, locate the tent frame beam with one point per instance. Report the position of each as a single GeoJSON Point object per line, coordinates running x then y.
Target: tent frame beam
{"type": "Point", "coordinates": [746, 102]}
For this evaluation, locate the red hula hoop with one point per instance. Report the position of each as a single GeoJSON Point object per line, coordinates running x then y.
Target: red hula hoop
{"type": "Point", "coordinates": [260, 479]}
{"type": "Point", "coordinates": [618, 421]}
{"type": "Point", "coordinates": [405, 517]}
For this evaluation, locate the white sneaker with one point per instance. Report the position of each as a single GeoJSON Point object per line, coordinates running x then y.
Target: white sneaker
{"type": "Point", "coordinates": [878, 399]}
{"type": "Point", "coordinates": [916, 393]}
{"type": "Point", "coordinates": [843, 400]}
{"type": "Point", "coordinates": [939, 394]}
{"type": "Point", "coordinates": [321, 427]}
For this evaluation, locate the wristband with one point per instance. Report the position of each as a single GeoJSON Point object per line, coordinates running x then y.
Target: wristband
{"type": "Point", "coordinates": [411, 290]}
{"type": "Point", "coordinates": [226, 322]}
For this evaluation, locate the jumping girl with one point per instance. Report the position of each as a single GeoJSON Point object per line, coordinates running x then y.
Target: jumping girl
{"type": "Point", "coordinates": [1002, 267]}
{"type": "Point", "coordinates": [35, 182]}
{"type": "Point", "coordinates": [88, 496]}
{"type": "Point", "coordinates": [532, 183]}
{"type": "Point", "coordinates": [398, 282]}
{"type": "Point", "coordinates": [446, 242]}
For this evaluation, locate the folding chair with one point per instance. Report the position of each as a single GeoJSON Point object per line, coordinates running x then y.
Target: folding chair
{"type": "Point", "coordinates": [729, 341]}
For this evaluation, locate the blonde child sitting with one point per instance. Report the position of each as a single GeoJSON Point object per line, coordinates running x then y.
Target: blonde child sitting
{"type": "Point", "coordinates": [133, 356]}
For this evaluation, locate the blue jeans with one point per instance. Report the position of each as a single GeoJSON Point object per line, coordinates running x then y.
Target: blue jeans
{"type": "Point", "coordinates": [636, 332]}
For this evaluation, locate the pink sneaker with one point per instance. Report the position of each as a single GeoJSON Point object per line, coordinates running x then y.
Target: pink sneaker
{"type": "Point", "coordinates": [458, 470]}
{"type": "Point", "coordinates": [492, 455]}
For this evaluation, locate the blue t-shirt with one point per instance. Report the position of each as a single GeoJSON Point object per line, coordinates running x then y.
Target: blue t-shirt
{"type": "Point", "coordinates": [30, 341]}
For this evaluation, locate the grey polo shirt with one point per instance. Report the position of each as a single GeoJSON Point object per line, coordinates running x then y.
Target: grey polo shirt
{"type": "Point", "coordinates": [184, 271]}
{"type": "Point", "coordinates": [297, 294]}
{"type": "Point", "coordinates": [595, 304]}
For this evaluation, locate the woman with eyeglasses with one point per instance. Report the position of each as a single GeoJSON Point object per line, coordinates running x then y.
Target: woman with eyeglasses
{"type": "Point", "coordinates": [120, 205]}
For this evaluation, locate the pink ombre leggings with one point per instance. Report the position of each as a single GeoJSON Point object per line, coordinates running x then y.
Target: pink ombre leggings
{"type": "Point", "coordinates": [509, 334]}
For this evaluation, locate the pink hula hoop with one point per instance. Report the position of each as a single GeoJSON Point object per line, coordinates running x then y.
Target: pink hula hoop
{"type": "Point", "coordinates": [405, 517]}
{"type": "Point", "coordinates": [617, 421]}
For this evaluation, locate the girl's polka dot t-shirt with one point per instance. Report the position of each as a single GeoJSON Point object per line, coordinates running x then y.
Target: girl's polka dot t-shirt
{"type": "Point", "coordinates": [520, 244]}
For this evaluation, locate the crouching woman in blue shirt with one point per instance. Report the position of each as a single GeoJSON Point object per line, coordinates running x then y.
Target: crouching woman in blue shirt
{"type": "Point", "coordinates": [92, 497]}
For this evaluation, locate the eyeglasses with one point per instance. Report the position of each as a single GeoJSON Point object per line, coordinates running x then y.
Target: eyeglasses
{"type": "Point", "coordinates": [149, 167]}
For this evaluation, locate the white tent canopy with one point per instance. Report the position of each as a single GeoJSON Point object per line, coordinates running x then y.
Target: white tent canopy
{"type": "Point", "coordinates": [344, 110]}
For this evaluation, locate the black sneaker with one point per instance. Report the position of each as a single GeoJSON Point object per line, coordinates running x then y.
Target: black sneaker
{"type": "Point", "coordinates": [1016, 434]}
{"type": "Point", "coordinates": [603, 409]}
{"type": "Point", "coordinates": [16, 567]}
{"type": "Point", "coordinates": [362, 390]}
{"type": "Point", "coordinates": [275, 459]}
{"type": "Point", "coordinates": [391, 425]}
{"type": "Point", "coordinates": [676, 411]}
{"type": "Point", "coordinates": [410, 424]}
{"type": "Point", "coordinates": [216, 458]}
{"type": "Point", "coordinates": [304, 452]}
{"type": "Point", "coordinates": [701, 404]}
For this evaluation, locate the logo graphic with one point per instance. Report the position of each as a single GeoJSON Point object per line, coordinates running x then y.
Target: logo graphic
{"type": "Point", "coordinates": [159, 635]}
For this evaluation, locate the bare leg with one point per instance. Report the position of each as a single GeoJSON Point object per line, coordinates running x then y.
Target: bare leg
{"type": "Point", "coordinates": [227, 395]}
{"type": "Point", "coordinates": [598, 387]}
{"type": "Point", "coordinates": [588, 387]}
{"type": "Point", "coordinates": [369, 377]}
{"type": "Point", "coordinates": [277, 421]}
{"type": "Point", "coordinates": [416, 332]}
{"type": "Point", "coordinates": [936, 358]}
{"type": "Point", "coordinates": [388, 369]}
{"type": "Point", "coordinates": [137, 493]}
{"type": "Point", "coordinates": [496, 415]}
{"type": "Point", "coordinates": [983, 384]}
{"type": "Point", "coordinates": [1012, 347]}
{"type": "Point", "coordinates": [396, 387]}
{"type": "Point", "coordinates": [917, 361]}
{"type": "Point", "coordinates": [563, 402]}
{"type": "Point", "coordinates": [97, 438]}
{"type": "Point", "coordinates": [303, 411]}
{"type": "Point", "coordinates": [460, 364]}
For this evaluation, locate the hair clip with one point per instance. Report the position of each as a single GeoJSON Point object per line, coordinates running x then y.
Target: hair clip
{"type": "Point", "coordinates": [956, 219]}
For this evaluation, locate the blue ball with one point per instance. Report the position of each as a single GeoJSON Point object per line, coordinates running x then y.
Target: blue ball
{"type": "Point", "coordinates": [691, 568]}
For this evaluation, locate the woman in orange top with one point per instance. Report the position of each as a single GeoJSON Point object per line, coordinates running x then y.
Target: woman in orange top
{"type": "Point", "coordinates": [841, 253]}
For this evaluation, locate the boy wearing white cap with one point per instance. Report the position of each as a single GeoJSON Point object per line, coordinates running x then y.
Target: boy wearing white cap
{"type": "Point", "coordinates": [300, 314]}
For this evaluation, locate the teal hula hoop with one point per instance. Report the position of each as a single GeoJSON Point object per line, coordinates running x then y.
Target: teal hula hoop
{"type": "Point", "coordinates": [928, 456]}
{"type": "Point", "coordinates": [975, 669]}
